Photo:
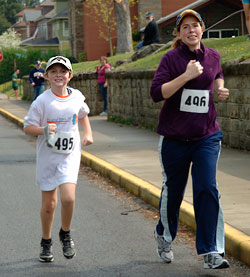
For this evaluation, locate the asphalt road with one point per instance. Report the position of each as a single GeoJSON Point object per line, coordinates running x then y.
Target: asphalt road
{"type": "Point", "coordinates": [113, 231]}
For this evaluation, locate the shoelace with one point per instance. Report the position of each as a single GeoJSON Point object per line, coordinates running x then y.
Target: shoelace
{"type": "Point", "coordinates": [46, 248]}
{"type": "Point", "coordinates": [165, 245]}
{"type": "Point", "coordinates": [67, 241]}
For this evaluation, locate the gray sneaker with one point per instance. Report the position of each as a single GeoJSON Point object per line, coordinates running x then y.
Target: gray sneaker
{"type": "Point", "coordinates": [164, 249]}
{"type": "Point", "coordinates": [215, 261]}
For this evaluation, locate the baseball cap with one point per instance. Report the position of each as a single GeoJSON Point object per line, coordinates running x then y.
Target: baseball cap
{"type": "Point", "coordinates": [149, 14]}
{"type": "Point", "coordinates": [38, 62]}
{"type": "Point", "coordinates": [185, 13]}
{"type": "Point", "coordinates": [59, 60]}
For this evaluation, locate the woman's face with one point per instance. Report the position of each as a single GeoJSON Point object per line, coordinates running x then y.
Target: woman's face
{"type": "Point", "coordinates": [191, 32]}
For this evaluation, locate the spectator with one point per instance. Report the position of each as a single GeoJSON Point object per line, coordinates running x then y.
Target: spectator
{"type": "Point", "coordinates": [102, 82]}
{"type": "Point", "coordinates": [246, 6]}
{"type": "Point", "coordinates": [36, 79]}
{"type": "Point", "coordinates": [14, 84]}
{"type": "Point", "coordinates": [151, 32]}
{"type": "Point", "coordinates": [190, 137]}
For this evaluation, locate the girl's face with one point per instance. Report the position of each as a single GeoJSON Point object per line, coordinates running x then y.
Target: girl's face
{"type": "Point", "coordinates": [191, 32]}
{"type": "Point", "coordinates": [58, 76]}
{"type": "Point", "coordinates": [103, 61]}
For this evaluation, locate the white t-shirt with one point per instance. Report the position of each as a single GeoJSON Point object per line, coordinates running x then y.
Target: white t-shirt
{"type": "Point", "coordinates": [54, 169]}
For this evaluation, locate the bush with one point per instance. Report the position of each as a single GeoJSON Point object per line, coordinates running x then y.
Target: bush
{"type": "Point", "coordinates": [22, 59]}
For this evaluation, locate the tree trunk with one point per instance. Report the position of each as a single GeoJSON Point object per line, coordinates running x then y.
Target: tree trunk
{"type": "Point", "coordinates": [123, 25]}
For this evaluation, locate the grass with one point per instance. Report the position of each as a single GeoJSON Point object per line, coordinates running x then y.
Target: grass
{"type": "Point", "coordinates": [90, 66]}
{"type": "Point", "coordinates": [6, 88]}
{"type": "Point", "coordinates": [230, 49]}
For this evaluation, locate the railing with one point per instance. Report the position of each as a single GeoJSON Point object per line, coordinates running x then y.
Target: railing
{"type": "Point", "coordinates": [227, 17]}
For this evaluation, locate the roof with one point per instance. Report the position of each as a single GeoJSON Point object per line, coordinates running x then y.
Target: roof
{"type": "Point", "coordinates": [196, 4]}
{"type": "Point", "coordinates": [47, 3]}
{"type": "Point", "coordinates": [41, 42]}
{"type": "Point", "coordinates": [18, 25]}
{"type": "Point", "coordinates": [32, 15]}
{"type": "Point", "coordinates": [62, 15]}
{"type": "Point", "coordinates": [21, 13]}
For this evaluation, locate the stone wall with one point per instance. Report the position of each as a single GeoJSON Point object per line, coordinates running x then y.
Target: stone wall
{"type": "Point", "coordinates": [129, 100]}
{"type": "Point", "coordinates": [85, 82]}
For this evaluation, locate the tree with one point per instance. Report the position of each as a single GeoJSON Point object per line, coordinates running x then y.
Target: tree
{"type": "Point", "coordinates": [4, 24]}
{"type": "Point", "coordinates": [10, 39]}
{"type": "Point", "coordinates": [123, 25]}
{"type": "Point", "coordinates": [30, 3]}
{"type": "Point", "coordinates": [103, 13]}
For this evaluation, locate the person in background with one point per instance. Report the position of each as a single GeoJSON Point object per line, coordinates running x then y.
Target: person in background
{"type": "Point", "coordinates": [246, 7]}
{"type": "Point", "coordinates": [54, 118]}
{"type": "Point", "coordinates": [102, 81]}
{"type": "Point", "coordinates": [37, 80]}
{"type": "Point", "coordinates": [151, 33]}
{"type": "Point", "coordinates": [15, 79]}
{"type": "Point", "coordinates": [190, 136]}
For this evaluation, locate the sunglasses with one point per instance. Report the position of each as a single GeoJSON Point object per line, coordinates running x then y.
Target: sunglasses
{"type": "Point", "coordinates": [58, 58]}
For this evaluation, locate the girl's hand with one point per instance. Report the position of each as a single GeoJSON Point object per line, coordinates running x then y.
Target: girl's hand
{"type": "Point", "coordinates": [87, 140]}
{"type": "Point", "coordinates": [223, 93]}
{"type": "Point", "coordinates": [52, 128]}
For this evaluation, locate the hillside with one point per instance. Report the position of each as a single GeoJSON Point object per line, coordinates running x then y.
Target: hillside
{"type": "Point", "coordinates": [230, 49]}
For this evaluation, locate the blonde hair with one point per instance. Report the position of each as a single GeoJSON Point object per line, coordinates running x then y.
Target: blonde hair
{"type": "Point", "coordinates": [177, 40]}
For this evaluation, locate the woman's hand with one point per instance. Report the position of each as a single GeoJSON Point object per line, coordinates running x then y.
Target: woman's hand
{"type": "Point", "coordinates": [223, 93]}
{"type": "Point", "coordinates": [193, 70]}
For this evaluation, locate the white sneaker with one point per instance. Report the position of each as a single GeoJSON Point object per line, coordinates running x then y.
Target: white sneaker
{"type": "Point", "coordinates": [215, 261]}
{"type": "Point", "coordinates": [103, 113]}
{"type": "Point", "coordinates": [164, 249]}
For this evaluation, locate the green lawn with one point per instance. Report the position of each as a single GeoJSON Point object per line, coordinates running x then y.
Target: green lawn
{"type": "Point", "coordinates": [229, 48]}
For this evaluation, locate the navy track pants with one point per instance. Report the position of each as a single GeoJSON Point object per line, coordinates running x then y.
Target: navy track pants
{"type": "Point", "coordinates": [176, 158]}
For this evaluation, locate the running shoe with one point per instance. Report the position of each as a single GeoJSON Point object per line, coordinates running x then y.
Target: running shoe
{"type": "Point", "coordinates": [164, 249]}
{"type": "Point", "coordinates": [215, 261]}
{"type": "Point", "coordinates": [103, 113]}
{"type": "Point", "coordinates": [46, 254]}
{"type": "Point", "coordinates": [68, 245]}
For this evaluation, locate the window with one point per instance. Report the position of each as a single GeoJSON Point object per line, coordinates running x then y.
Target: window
{"type": "Point", "coordinates": [65, 29]}
{"type": "Point", "coordinates": [224, 33]}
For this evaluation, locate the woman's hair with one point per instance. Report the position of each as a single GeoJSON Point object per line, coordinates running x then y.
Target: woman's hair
{"type": "Point", "coordinates": [104, 58]}
{"type": "Point", "coordinates": [177, 40]}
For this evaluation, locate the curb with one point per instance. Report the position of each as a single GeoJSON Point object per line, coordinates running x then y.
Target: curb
{"type": "Point", "coordinates": [237, 243]}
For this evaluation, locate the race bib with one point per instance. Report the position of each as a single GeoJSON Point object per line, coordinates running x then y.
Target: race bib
{"type": "Point", "coordinates": [195, 101]}
{"type": "Point", "coordinates": [63, 143]}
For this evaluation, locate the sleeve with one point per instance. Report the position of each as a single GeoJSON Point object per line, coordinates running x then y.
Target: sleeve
{"type": "Point", "coordinates": [84, 109]}
{"type": "Point", "coordinates": [107, 66]}
{"type": "Point", "coordinates": [31, 76]}
{"type": "Point", "coordinates": [162, 75]}
{"type": "Point", "coordinates": [34, 116]}
{"type": "Point", "coordinates": [219, 74]}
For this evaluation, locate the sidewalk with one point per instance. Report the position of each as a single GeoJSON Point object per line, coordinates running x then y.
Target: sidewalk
{"type": "Point", "coordinates": [134, 150]}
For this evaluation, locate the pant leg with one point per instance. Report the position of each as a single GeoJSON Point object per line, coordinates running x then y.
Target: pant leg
{"type": "Point", "coordinates": [175, 160]}
{"type": "Point", "coordinates": [41, 89]}
{"type": "Point", "coordinates": [208, 212]}
{"type": "Point", "coordinates": [103, 92]}
{"type": "Point", "coordinates": [139, 45]}
{"type": "Point", "coordinates": [36, 92]}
